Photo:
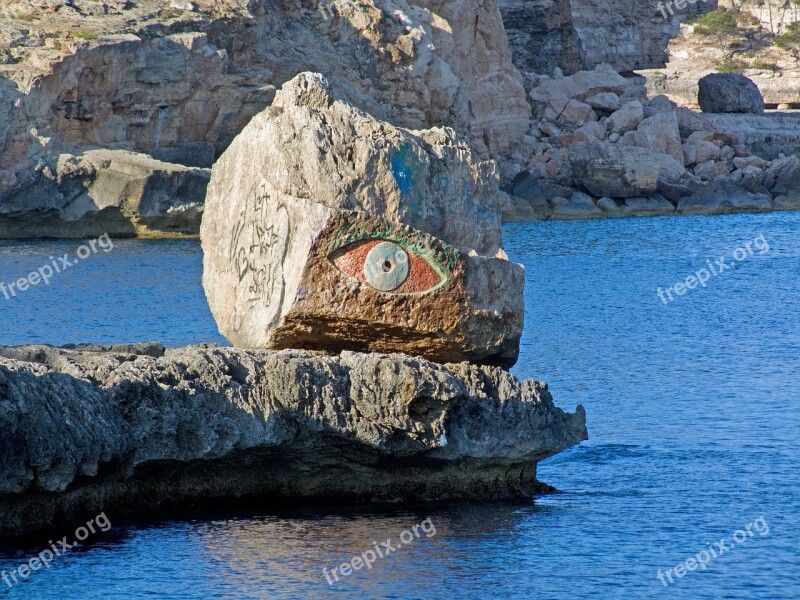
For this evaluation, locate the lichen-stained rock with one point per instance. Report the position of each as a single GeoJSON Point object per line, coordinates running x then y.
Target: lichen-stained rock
{"type": "Point", "coordinates": [292, 224]}
{"type": "Point", "coordinates": [126, 429]}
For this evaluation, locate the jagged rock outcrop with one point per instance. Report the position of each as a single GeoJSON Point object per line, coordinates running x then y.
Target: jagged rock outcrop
{"type": "Point", "coordinates": [128, 429]}
{"type": "Point", "coordinates": [179, 84]}
{"type": "Point", "coordinates": [326, 228]}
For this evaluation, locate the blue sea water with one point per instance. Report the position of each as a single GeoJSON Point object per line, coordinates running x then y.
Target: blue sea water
{"type": "Point", "coordinates": [692, 409]}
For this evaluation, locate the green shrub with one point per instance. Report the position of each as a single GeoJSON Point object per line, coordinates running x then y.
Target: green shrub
{"type": "Point", "coordinates": [790, 38]}
{"type": "Point", "coordinates": [169, 13]}
{"type": "Point", "coordinates": [20, 16]}
{"type": "Point", "coordinates": [719, 22]}
{"type": "Point", "coordinates": [731, 66]}
{"type": "Point", "coordinates": [85, 34]}
{"type": "Point", "coordinates": [764, 66]}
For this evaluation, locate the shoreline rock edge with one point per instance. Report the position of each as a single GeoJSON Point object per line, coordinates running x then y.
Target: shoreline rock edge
{"type": "Point", "coordinates": [132, 429]}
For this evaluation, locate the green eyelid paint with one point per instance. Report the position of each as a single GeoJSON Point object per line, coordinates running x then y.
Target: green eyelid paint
{"type": "Point", "coordinates": [441, 256]}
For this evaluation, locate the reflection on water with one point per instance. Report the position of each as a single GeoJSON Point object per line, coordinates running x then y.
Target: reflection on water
{"type": "Point", "coordinates": [278, 555]}
{"type": "Point", "coordinates": [692, 409]}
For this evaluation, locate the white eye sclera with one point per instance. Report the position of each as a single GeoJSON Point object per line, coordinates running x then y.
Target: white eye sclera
{"type": "Point", "coordinates": [386, 266]}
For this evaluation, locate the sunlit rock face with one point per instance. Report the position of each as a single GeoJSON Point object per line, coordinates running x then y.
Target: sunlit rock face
{"type": "Point", "coordinates": [328, 229]}
{"type": "Point", "coordinates": [179, 83]}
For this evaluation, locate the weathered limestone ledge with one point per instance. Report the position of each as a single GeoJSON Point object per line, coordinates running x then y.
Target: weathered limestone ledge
{"type": "Point", "coordinates": [139, 428]}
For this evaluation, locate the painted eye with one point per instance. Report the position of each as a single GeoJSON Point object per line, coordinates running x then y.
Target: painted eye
{"type": "Point", "coordinates": [389, 267]}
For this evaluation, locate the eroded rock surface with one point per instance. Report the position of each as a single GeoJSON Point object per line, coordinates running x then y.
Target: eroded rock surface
{"type": "Point", "coordinates": [127, 429]}
{"type": "Point", "coordinates": [580, 34]}
{"type": "Point", "coordinates": [304, 195]}
{"type": "Point", "coordinates": [179, 83]}
{"type": "Point", "coordinates": [121, 193]}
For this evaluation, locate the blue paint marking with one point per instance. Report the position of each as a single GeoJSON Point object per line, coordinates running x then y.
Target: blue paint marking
{"type": "Point", "coordinates": [401, 170]}
{"type": "Point", "coordinates": [403, 173]}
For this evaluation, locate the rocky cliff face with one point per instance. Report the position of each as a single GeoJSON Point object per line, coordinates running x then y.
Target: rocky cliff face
{"type": "Point", "coordinates": [135, 428]}
{"type": "Point", "coordinates": [581, 34]}
{"type": "Point", "coordinates": [178, 85]}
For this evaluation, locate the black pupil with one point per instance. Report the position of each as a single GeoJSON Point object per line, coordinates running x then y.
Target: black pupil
{"type": "Point", "coordinates": [387, 266]}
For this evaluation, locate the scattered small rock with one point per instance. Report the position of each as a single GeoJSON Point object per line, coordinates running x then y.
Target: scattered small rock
{"type": "Point", "coordinates": [626, 118]}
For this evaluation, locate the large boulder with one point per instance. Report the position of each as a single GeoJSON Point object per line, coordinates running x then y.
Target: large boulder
{"type": "Point", "coordinates": [577, 206]}
{"type": "Point", "coordinates": [783, 175]}
{"type": "Point", "coordinates": [621, 171]}
{"type": "Point", "coordinates": [614, 170]}
{"type": "Point", "coordinates": [699, 149]}
{"type": "Point", "coordinates": [581, 85]}
{"type": "Point", "coordinates": [722, 197]}
{"type": "Point", "coordinates": [138, 428]}
{"type": "Point", "coordinates": [655, 205]}
{"type": "Point", "coordinates": [328, 229]}
{"type": "Point", "coordinates": [729, 93]}
{"type": "Point", "coordinates": [627, 118]}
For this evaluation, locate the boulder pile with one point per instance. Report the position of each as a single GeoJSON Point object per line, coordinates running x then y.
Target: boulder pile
{"type": "Point", "coordinates": [600, 147]}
